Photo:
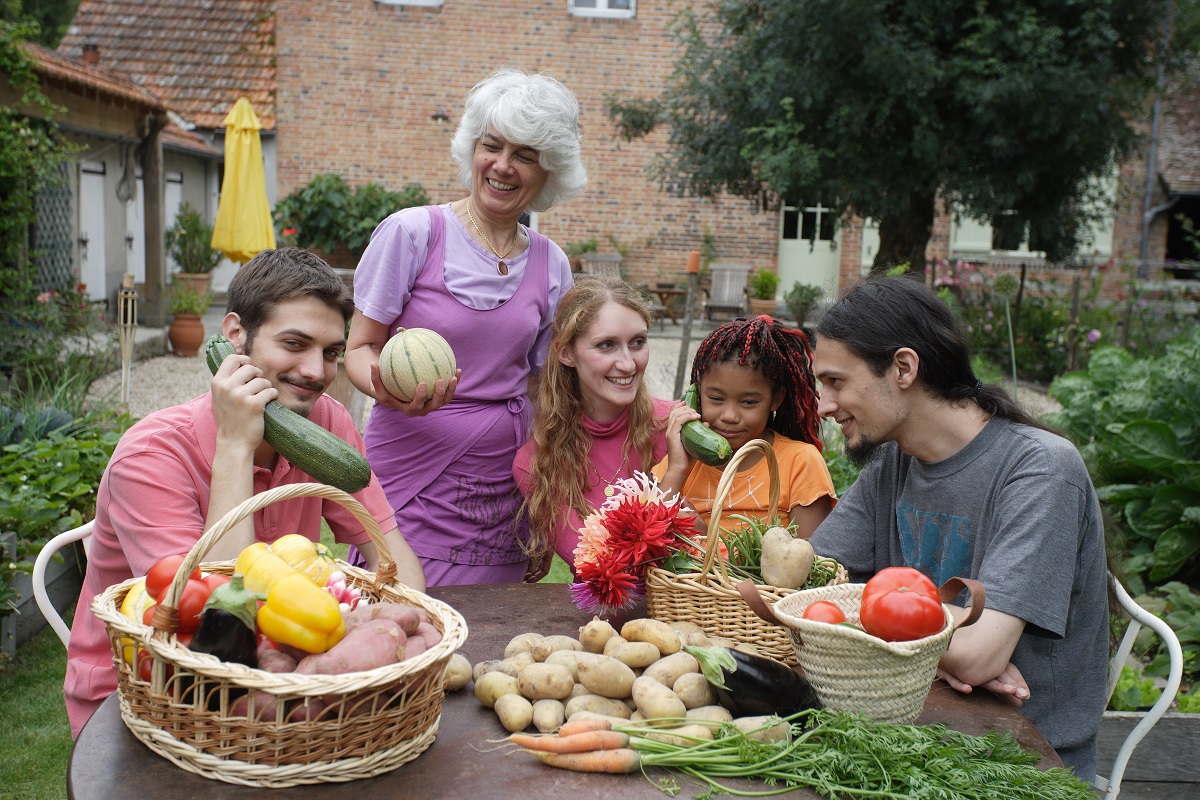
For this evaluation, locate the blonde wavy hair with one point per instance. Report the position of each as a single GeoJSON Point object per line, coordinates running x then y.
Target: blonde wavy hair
{"type": "Point", "coordinates": [560, 467]}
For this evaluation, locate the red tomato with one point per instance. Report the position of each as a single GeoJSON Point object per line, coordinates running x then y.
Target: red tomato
{"type": "Point", "coordinates": [901, 604]}
{"type": "Point", "coordinates": [161, 574]}
{"type": "Point", "coordinates": [213, 581]}
{"type": "Point", "coordinates": [191, 603]}
{"type": "Point", "coordinates": [824, 611]}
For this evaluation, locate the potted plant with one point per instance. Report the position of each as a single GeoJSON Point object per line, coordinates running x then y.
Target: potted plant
{"type": "Point", "coordinates": [801, 299]}
{"type": "Point", "coordinates": [187, 305]}
{"type": "Point", "coordinates": [189, 245]}
{"type": "Point", "coordinates": [763, 284]}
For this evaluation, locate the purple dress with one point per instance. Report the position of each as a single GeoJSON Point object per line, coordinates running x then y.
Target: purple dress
{"type": "Point", "coordinates": [448, 475]}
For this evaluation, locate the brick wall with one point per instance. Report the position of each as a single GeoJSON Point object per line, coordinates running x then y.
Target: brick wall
{"type": "Point", "coordinates": [358, 84]}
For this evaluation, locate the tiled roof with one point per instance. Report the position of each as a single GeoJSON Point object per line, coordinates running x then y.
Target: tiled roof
{"type": "Point", "coordinates": [199, 56]}
{"type": "Point", "coordinates": [100, 79]}
{"type": "Point", "coordinates": [176, 138]}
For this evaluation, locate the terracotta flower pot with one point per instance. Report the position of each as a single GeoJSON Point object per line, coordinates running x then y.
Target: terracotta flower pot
{"type": "Point", "coordinates": [186, 334]}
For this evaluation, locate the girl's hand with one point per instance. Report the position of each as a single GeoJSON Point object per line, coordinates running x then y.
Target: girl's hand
{"type": "Point", "coordinates": [679, 463]}
{"type": "Point", "coordinates": [443, 393]}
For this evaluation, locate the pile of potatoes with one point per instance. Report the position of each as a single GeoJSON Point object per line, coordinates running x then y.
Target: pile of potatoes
{"type": "Point", "coordinates": [638, 675]}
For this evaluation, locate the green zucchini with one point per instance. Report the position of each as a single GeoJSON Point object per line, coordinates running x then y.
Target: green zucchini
{"type": "Point", "coordinates": [325, 457]}
{"type": "Point", "coordinates": [701, 441]}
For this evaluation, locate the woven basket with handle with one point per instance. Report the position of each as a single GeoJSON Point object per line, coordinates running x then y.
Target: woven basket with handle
{"type": "Point", "coordinates": [853, 670]}
{"type": "Point", "coordinates": [710, 597]}
{"type": "Point", "coordinates": [364, 723]}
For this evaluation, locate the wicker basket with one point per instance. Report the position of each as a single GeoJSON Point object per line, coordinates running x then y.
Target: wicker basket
{"type": "Point", "coordinates": [853, 670]}
{"type": "Point", "coordinates": [374, 720]}
{"type": "Point", "coordinates": [710, 597]}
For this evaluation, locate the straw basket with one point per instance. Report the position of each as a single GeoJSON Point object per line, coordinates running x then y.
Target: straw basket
{"type": "Point", "coordinates": [365, 723]}
{"type": "Point", "coordinates": [853, 670]}
{"type": "Point", "coordinates": [710, 597]}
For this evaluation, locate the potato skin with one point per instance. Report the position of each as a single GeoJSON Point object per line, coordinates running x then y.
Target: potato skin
{"type": "Point", "coordinates": [550, 644]}
{"type": "Point", "coordinates": [458, 672]}
{"type": "Point", "coordinates": [636, 655]}
{"type": "Point", "coordinates": [786, 560]}
{"type": "Point", "coordinates": [713, 713]}
{"type": "Point", "coordinates": [694, 690]}
{"type": "Point", "coordinates": [548, 715]}
{"type": "Point", "coordinates": [569, 659]}
{"type": "Point", "coordinates": [542, 681]}
{"type": "Point", "coordinates": [656, 701]}
{"type": "Point", "coordinates": [595, 635]}
{"type": "Point", "coordinates": [668, 669]}
{"type": "Point", "coordinates": [522, 643]}
{"type": "Point", "coordinates": [607, 677]}
{"type": "Point", "coordinates": [597, 704]}
{"type": "Point", "coordinates": [514, 711]}
{"type": "Point", "coordinates": [493, 685]}
{"type": "Point", "coordinates": [656, 632]}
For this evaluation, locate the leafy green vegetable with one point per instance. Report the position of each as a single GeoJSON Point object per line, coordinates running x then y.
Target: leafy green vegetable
{"type": "Point", "coordinates": [839, 754]}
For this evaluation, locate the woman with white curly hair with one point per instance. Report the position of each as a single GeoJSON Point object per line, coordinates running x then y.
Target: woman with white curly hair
{"type": "Point", "coordinates": [472, 272]}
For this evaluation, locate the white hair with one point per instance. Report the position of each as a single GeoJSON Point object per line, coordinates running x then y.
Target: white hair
{"type": "Point", "coordinates": [534, 111]}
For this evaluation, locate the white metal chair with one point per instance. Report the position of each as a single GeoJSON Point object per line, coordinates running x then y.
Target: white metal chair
{"type": "Point", "coordinates": [727, 292]}
{"type": "Point", "coordinates": [81, 534]}
{"type": "Point", "coordinates": [1139, 616]}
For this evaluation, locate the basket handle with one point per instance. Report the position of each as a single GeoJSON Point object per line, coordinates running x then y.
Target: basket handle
{"type": "Point", "coordinates": [712, 538]}
{"type": "Point", "coordinates": [166, 615]}
{"type": "Point", "coordinates": [954, 586]}
{"type": "Point", "coordinates": [754, 599]}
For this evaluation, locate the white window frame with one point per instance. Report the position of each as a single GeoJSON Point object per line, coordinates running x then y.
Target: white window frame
{"type": "Point", "coordinates": [602, 10]}
{"type": "Point", "coordinates": [410, 2]}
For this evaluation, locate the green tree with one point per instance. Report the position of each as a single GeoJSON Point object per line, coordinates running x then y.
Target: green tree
{"type": "Point", "coordinates": [880, 107]}
{"type": "Point", "coordinates": [52, 16]}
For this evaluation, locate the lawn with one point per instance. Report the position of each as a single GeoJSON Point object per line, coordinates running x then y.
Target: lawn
{"type": "Point", "coordinates": [36, 737]}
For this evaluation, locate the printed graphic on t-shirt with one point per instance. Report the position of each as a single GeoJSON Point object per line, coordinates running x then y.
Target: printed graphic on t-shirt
{"type": "Point", "coordinates": [937, 544]}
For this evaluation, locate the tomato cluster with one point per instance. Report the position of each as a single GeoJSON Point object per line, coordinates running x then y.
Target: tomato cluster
{"type": "Point", "coordinates": [191, 602]}
{"type": "Point", "coordinates": [900, 604]}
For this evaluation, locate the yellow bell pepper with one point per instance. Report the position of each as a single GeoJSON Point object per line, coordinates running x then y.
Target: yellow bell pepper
{"type": "Point", "coordinates": [261, 568]}
{"type": "Point", "coordinates": [299, 614]}
{"type": "Point", "coordinates": [309, 558]}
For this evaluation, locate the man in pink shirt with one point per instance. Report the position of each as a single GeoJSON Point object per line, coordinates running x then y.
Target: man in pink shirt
{"type": "Point", "coordinates": [178, 471]}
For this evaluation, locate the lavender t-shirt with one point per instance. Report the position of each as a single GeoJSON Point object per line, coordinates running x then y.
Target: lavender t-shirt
{"type": "Point", "coordinates": [395, 260]}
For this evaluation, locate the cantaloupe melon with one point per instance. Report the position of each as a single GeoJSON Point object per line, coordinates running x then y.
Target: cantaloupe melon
{"type": "Point", "coordinates": [414, 356]}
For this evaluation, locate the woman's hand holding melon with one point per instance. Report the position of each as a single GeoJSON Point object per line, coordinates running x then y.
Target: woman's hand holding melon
{"type": "Point", "coordinates": [416, 373]}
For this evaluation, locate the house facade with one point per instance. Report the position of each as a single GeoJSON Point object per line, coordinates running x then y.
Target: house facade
{"type": "Point", "coordinates": [93, 225]}
{"type": "Point", "coordinates": [198, 58]}
{"type": "Point", "coordinates": [372, 90]}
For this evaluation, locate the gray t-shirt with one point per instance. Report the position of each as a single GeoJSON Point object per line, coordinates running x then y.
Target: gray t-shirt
{"type": "Point", "coordinates": [1016, 510]}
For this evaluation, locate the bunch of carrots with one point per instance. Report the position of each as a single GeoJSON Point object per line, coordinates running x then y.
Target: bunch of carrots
{"type": "Point", "coordinates": [836, 754]}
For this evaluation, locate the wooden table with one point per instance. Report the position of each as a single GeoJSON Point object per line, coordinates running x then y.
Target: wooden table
{"type": "Point", "coordinates": [667, 296]}
{"type": "Point", "coordinates": [464, 762]}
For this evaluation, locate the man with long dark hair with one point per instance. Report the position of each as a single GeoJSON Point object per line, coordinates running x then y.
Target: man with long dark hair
{"type": "Point", "coordinates": [958, 480]}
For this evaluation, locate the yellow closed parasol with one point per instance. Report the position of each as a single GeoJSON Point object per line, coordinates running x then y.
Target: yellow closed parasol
{"type": "Point", "coordinates": [243, 228]}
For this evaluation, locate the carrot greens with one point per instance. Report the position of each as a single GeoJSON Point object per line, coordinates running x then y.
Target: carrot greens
{"type": "Point", "coordinates": [843, 755]}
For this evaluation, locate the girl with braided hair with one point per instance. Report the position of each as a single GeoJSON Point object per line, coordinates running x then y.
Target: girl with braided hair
{"type": "Point", "coordinates": [755, 381]}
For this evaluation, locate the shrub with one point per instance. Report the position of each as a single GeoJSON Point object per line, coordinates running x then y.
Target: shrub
{"type": "Point", "coordinates": [48, 485]}
{"type": "Point", "coordinates": [1137, 425]}
{"type": "Point", "coordinates": [763, 284]}
{"type": "Point", "coordinates": [801, 299]}
{"type": "Point", "coordinates": [327, 212]}
{"type": "Point", "coordinates": [189, 242]}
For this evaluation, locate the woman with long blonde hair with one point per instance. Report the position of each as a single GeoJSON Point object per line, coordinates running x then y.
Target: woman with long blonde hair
{"type": "Point", "coordinates": [594, 420]}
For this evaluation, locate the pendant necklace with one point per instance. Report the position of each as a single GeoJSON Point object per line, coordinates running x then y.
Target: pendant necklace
{"type": "Point", "coordinates": [609, 491]}
{"type": "Point", "coordinates": [501, 267]}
